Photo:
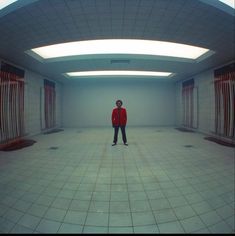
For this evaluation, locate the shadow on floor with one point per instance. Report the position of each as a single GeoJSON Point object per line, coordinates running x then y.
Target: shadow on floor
{"type": "Point", "coordinates": [17, 144]}
{"type": "Point", "coordinates": [221, 142]}
{"type": "Point", "coordinates": [53, 131]}
{"type": "Point", "coordinates": [184, 130]}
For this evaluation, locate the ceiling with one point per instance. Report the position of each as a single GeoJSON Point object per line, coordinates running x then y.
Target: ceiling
{"type": "Point", "coordinates": [34, 23]}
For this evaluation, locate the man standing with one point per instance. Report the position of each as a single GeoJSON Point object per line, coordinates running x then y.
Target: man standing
{"type": "Point", "coordinates": [119, 119]}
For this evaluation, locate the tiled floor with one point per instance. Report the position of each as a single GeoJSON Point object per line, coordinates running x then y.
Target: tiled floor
{"type": "Point", "coordinates": [75, 182]}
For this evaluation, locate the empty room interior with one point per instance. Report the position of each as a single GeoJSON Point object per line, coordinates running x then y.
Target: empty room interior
{"type": "Point", "coordinates": [117, 116]}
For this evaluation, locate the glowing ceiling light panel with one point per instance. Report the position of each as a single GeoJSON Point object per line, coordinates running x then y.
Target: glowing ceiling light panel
{"type": "Point", "coordinates": [117, 73]}
{"type": "Point", "coordinates": [120, 46]}
{"type": "Point", "coordinates": [230, 3]}
{"type": "Point", "coordinates": [5, 3]}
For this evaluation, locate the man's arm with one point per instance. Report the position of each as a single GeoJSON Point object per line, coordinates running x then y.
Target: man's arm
{"type": "Point", "coordinates": [113, 118]}
{"type": "Point", "coordinates": [125, 115]}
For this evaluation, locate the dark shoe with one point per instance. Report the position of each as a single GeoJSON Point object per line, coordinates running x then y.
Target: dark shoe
{"type": "Point", "coordinates": [114, 144]}
{"type": "Point", "coordinates": [126, 144]}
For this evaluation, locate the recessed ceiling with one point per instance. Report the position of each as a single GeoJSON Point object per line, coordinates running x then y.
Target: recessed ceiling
{"type": "Point", "coordinates": [31, 24]}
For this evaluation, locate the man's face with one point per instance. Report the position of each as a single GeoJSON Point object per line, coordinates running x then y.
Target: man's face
{"type": "Point", "coordinates": [119, 104]}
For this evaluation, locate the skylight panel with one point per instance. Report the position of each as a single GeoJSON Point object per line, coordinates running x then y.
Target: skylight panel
{"type": "Point", "coordinates": [120, 46]}
{"type": "Point", "coordinates": [118, 73]}
{"type": "Point", "coordinates": [5, 3]}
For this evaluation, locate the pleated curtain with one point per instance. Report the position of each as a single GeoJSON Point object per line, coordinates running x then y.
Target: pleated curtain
{"type": "Point", "coordinates": [224, 84]}
{"type": "Point", "coordinates": [11, 106]}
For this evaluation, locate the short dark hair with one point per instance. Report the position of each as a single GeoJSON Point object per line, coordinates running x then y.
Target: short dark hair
{"type": "Point", "coordinates": [119, 101]}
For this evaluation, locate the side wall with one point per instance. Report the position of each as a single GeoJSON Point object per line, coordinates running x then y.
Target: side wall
{"type": "Point", "coordinates": [206, 101]}
{"type": "Point", "coordinates": [34, 103]}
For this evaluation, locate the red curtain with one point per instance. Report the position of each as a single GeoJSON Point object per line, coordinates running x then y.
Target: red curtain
{"type": "Point", "coordinates": [224, 84]}
{"type": "Point", "coordinates": [50, 108]}
{"type": "Point", "coordinates": [11, 106]}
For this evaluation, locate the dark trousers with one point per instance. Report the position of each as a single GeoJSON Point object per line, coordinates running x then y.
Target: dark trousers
{"type": "Point", "coordinates": [123, 129]}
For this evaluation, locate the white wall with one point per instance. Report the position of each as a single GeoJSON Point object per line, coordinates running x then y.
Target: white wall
{"type": "Point", "coordinates": [33, 83]}
{"type": "Point", "coordinates": [179, 109]}
{"type": "Point", "coordinates": [90, 104]}
{"type": "Point", "coordinates": [206, 103]}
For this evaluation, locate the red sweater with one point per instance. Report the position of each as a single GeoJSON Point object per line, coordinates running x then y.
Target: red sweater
{"type": "Point", "coordinates": [116, 120]}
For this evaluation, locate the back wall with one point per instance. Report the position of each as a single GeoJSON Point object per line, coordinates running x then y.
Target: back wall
{"type": "Point", "coordinates": [90, 104]}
